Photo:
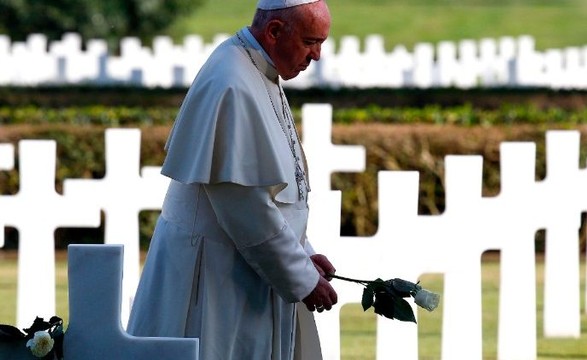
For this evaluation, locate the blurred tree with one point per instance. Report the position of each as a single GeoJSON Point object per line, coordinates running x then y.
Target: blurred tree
{"type": "Point", "coordinates": [103, 19]}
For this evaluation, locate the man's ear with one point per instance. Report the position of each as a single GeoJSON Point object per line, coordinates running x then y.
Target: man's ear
{"type": "Point", "coordinates": [274, 29]}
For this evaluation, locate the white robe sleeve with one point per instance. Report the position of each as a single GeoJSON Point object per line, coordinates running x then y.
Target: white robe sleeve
{"type": "Point", "coordinates": [263, 237]}
{"type": "Point", "coordinates": [309, 248]}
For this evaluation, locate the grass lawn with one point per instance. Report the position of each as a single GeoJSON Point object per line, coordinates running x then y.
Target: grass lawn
{"type": "Point", "coordinates": [553, 23]}
{"type": "Point", "coordinates": [358, 327]}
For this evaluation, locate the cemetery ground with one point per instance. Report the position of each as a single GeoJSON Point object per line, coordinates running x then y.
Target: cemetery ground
{"type": "Point", "coordinates": [358, 327]}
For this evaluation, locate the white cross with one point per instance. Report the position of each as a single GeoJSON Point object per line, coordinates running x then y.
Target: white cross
{"type": "Point", "coordinates": [563, 198]}
{"type": "Point", "coordinates": [37, 210]}
{"type": "Point", "coordinates": [513, 226]}
{"type": "Point", "coordinates": [324, 158]}
{"type": "Point", "coordinates": [94, 331]}
{"type": "Point", "coordinates": [6, 163]}
{"type": "Point", "coordinates": [6, 157]}
{"type": "Point", "coordinates": [122, 194]}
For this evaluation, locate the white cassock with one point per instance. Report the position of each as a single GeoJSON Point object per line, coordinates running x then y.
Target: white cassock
{"type": "Point", "coordinates": [229, 258]}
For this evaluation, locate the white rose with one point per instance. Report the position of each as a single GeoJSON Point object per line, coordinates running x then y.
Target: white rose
{"type": "Point", "coordinates": [426, 299]}
{"type": "Point", "coordinates": [40, 344]}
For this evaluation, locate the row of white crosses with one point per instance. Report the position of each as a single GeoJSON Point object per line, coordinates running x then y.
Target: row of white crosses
{"type": "Point", "coordinates": [507, 61]}
{"type": "Point", "coordinates": [406, 244]}
{"type": "Point", "coordinates": [38, 61]}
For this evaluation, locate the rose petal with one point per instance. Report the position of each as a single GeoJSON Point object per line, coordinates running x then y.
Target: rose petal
{"type": "Point", "coordinates": [427, 299]}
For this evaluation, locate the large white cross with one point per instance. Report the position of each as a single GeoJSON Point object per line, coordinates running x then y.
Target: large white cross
{"type": "Point", "coordinates": [512, 228]}
{"type": "Point", "coordinates": [37, 210]}
{"type": "Point", "coordinates": [95, 330]}
{"type": "Point", "coordinates": [122, 194]}
{"type": "Point", "coordinates": [564, 194]}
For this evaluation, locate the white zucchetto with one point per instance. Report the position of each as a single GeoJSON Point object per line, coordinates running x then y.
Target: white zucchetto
{"type": "Point", "coordinates": [281, 4]}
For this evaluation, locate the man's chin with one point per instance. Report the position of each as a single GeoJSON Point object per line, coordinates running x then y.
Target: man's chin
{"type": "Point", "coordinates": [290, 75]}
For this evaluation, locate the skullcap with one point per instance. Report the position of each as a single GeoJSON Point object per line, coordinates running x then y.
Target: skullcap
{"type": "Point", "coordinates": [281, 4]}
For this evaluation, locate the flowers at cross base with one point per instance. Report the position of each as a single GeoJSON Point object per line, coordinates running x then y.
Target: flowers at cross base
{"type": "Point", "coordinates": [387, 297]}
{"type": "Point", "coordinates": [41, 344]}
{"type": "Point", "coordinates": [44, 339]}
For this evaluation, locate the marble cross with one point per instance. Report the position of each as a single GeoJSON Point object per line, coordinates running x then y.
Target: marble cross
{"type": "Point", "coordinates": [95, 330]}
{"type": "Point", "coordinates": [37, 210]}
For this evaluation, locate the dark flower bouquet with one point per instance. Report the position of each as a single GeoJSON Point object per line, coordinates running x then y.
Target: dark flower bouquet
{"type": "Point", "coordinates": [44, 339]}
{"type": "Point", "coordinates": [387, 297]}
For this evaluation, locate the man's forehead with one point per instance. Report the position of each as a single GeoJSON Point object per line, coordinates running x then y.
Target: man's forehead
{"type": "Point", "coordinates": [315, 28]}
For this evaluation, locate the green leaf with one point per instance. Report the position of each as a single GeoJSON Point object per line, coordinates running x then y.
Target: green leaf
{"type": "Point", "coordinates": [403, 310]}
{"type": "Point", "coordinates": [367, 300]}
{"type": "Point", "coordinates": [58, 335]}
{"type": "Point", "coordinates": [378, 285]}
{"type": "Point", "coordinates": [10, 333]}
{"type": "Point", "coordinates": [393, 307]}
{"type": "Point", "coordinates": [384, 305]}
{"type": "Point", "coordinates": [38, 325]}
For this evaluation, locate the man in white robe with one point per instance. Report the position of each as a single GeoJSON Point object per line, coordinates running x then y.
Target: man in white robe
{"type": "Point", "coordinates": [229, 259]}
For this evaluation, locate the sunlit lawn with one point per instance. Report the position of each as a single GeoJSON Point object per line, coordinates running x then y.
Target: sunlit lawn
{"type": "Point", "coordinates": [358, 327]}
{"type": "Point", "coordinates": [554, 24]}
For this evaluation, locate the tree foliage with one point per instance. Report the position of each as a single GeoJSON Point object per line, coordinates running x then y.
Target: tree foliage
{"type": "Point", "coordinates": [103, 19]}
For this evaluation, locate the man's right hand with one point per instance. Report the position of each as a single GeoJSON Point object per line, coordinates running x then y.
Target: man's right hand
{"type": "Point", "coordinates": [322, 297]}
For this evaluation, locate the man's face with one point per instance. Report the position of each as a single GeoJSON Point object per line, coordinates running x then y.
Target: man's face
{"type": "Point", "coordinates": [294, 50]}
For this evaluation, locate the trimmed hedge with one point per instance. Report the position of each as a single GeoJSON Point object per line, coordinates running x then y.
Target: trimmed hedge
{"type": "Point", "coordinates": [341, 98]}
{"type": "Point", "coordinates": [418, 146]}
{"type": "Point", "coordinates": [88, 115]}
{"type": "Point", "coordinates": [402, 129]}
{"type": "Point", "coordinates": [466, 115]}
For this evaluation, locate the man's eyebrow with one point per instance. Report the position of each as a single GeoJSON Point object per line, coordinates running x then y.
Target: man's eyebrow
{"type": "Point", "coordinates": [314, 38]}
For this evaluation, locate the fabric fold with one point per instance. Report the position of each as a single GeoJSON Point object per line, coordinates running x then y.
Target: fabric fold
{"type": "Point", "coordinates": [273, 250]}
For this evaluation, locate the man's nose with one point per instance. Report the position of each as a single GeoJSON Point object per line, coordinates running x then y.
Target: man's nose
{"type": "Point", "coordinates": [315, 53]}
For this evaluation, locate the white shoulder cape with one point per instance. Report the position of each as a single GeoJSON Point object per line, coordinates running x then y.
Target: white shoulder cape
{"type": "Point", "coordinates": [227, 129]}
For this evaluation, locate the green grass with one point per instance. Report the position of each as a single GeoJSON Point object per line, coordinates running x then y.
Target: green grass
{"type": "Point", "coordinates": [357, 326]}
{"type": "Point", "coordinates": [553, 24]}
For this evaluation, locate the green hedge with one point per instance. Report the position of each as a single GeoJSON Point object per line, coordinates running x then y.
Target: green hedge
{"type": "Point", "coordinates": [87, 115]}
{"type": "Point", "coordinates": [341, 98]}
{"type": "Point", "coordinates": [466, 115]}
{"type": "Point", "coordinates": [395, 139]}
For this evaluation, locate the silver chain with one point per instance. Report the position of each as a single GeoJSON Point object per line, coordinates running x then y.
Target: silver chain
{"type": "Point", "coordinates": [287, 117]}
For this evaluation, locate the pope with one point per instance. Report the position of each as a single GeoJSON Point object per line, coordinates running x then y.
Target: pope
{"type": "Point", "coordinates": [229, 261]}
